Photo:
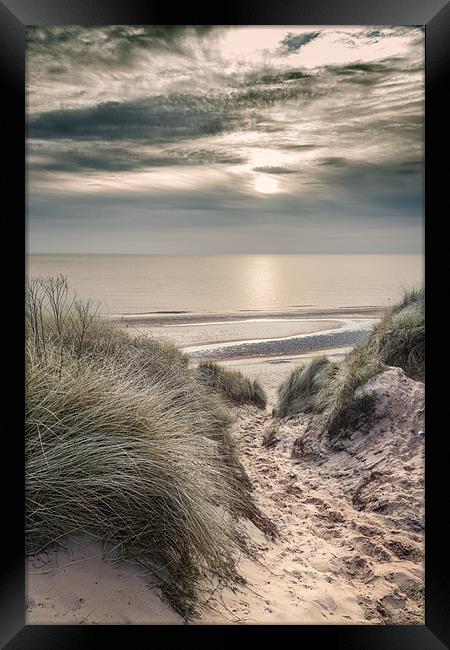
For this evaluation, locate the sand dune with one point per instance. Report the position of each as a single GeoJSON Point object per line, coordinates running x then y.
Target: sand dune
{"type": "Point", "coordinates": [350, 521]}
{"type": "Point", "coordinates": [73, 585]}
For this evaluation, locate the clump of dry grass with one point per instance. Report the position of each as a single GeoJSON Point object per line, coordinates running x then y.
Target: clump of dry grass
{"type": "Point", "coordinates": [301, 391]}
{"type": "Point", "coordinates": [123, 442]}
{"type": "Point", "coordinates": [329, 389]}
{"type": "Point", "coordinates": [399, 340]}
{"type": "Point", "coordinates": [340, 406]}
{"type": "Point", "coordinates": [232, 384]}
{"type": "Point", "coordinates": [345, 419]}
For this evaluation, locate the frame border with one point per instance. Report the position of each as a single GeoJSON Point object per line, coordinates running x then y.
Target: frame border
{"type": "Point", "coordinates": [15, 15]}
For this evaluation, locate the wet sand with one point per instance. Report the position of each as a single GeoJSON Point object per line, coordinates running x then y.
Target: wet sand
{"type": "Point", "coordinates": [263, 334]}
{"type": "Point", "coordinates": [153, 319]}
{"type": "Point", "coordinates": [213, 333]}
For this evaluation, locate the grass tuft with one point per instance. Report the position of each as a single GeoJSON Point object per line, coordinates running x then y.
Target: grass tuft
{"type": "Point", "coordinates": [344, 420]}
{"type": "Point", "coordinates": [232, 384]}
{"type": "Point", "coordinates": [328, 388]}
{"type": "Point", "coordinates": [399, 340]}
{"type": "Point", "coordinates": [123, 442]}
{"type": "Point", "coordinates": [301, 391]}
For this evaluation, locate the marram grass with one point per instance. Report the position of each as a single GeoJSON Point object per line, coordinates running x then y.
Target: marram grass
{"type": "Point", "coordinates": [300, 392]}
{"type": "Point", "coordinates": [231, 384]}
{"type": "Point", "coordinates": [322, 386]}
{"type": "Point", "coordinates": [123, 442]}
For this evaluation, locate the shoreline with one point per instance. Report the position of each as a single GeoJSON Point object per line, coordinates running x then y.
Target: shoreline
{"type": "Point", "coordinates": [154, 319]}
{"type": "Point", "coordinates": [235, 335]}
{"type": "Point", "coordinates": [345, 335]}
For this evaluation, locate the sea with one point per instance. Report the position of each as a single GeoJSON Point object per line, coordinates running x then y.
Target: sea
{"type": "Point", "coordinates": [149, 284]}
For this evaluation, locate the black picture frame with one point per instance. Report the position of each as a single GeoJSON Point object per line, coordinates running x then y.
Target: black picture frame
{"type": "Point", "coordinates": [15, 15]}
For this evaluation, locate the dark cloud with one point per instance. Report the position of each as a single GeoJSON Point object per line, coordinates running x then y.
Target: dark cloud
{"type": "Point", "coordinates": [289, 146]}
{"type": "Point", "coordinates": [112, 45]}
{"type": "Point", "coordinates": [346, 140]}
{"type": "Point", "coordinates": [276, 78]}
{"type": "Point", "coordinates": [333, 161]}
{"type": "Point", "coordinates": [274, 170]}
{"type": "Point", "coordinates": [97, 157]}
{"type": "Point", "coordinates": [166, 117]}
{"type": "Point", "coordinates": [293, 42]}
{"type": "Point", "coordinates": [374, 72]}
{"type": "Point", "coordinates": [159, 118]}
{"type": "Point", "coordinates": [393, 188]}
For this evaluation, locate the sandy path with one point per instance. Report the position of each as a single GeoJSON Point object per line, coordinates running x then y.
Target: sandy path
{"type": "Point", "coordinates": [272, 371]}
{"type": "Point", "coordinates": [351, 528]}
{"type": "Point", "coordinates": [350, 522]}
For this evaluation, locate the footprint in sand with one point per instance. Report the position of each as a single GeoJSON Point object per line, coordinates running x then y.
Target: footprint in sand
{"type": "Point", "coordinates": [326, 603]}
{"type": "Point", "coordinates": [357, 567]}
{"type": "Point", "coordinates": [404, 551]}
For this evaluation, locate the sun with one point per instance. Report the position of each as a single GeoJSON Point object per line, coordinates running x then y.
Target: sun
{"type": "Point", "coordinates": [266, 185]}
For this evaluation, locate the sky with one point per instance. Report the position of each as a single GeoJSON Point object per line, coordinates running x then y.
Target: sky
{"type": "Point", "coordinates": [147, 139]}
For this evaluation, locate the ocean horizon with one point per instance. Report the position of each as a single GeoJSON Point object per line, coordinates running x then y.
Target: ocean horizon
{"type": "Point", "coordinates": [215, 283]}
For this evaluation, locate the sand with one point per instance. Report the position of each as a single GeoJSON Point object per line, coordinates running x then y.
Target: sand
{"type": "Point", "coordinates": [271, 371]}
{"type": "Point", "coordinates": [351, 521]}
{"type": "Point", "coordinates": [210, 332]}
{"type": "Point", "coordinates": [350, 549]}
{"type": "Point", "coordinates": [242, 336]}
{"type": "Point", "coordinates": [73, 585]}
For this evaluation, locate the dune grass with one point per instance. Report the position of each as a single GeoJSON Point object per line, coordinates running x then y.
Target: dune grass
{"type": "Point", "coordinates": [301, 391]}
{"type": "Point", "coordinates": [399, 340]}
{"type": "Point", "coordinates": [328, 388]}
{"type": "Point", "coordinates": [123, 442]}
{"type": "Point", "coordinates": [231, 384]}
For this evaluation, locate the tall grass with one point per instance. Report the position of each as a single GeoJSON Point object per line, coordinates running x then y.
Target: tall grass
{"type": "Point", "coordinates": [399, 340]}
{"type": "Point", "coordinates": [328, 388]}
{"type": "Point", "coordinates": [231, 384]}
{"type": "Point", "coordinates": [301, 391]}
{"type": "Point", "coordinates": [123, 442]}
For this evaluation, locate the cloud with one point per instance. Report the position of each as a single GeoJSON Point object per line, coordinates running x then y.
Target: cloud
{"type": "Point", "coordinates": [145, 125]}
{"type": "Point", "coordinates": [274, 170]}
{"type": "Point", "coordinates": [154, 118]}
{"type": "Point", "coordinates": [276, 77]}
{"type": "Point", "coordinates": [114, 45]}
{"type": "Point", "coordinates": [122, 156]}
{"type": "Point", "coordinates": [293, 42]}
{"type": "Point", "coordinates": [336, 161]}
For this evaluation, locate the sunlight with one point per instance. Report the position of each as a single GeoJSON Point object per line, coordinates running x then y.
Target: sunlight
{"type": "Point", "coordinates": [266, 185]}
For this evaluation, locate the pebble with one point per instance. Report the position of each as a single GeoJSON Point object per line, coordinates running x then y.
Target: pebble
{"type": "Point", "coordinates": [291, 345]}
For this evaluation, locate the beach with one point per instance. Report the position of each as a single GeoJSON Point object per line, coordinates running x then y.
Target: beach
{"type": "Point", "coordinates": [224, 325]}
{"type": "Point", "coordinates": [331, 562]}
{"type": "Point", "coordinates": [234, 335]}
{"type": "Point", "coordinates": [351, 521]}
{"type": "Point", "coordinates": [264, 346]}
